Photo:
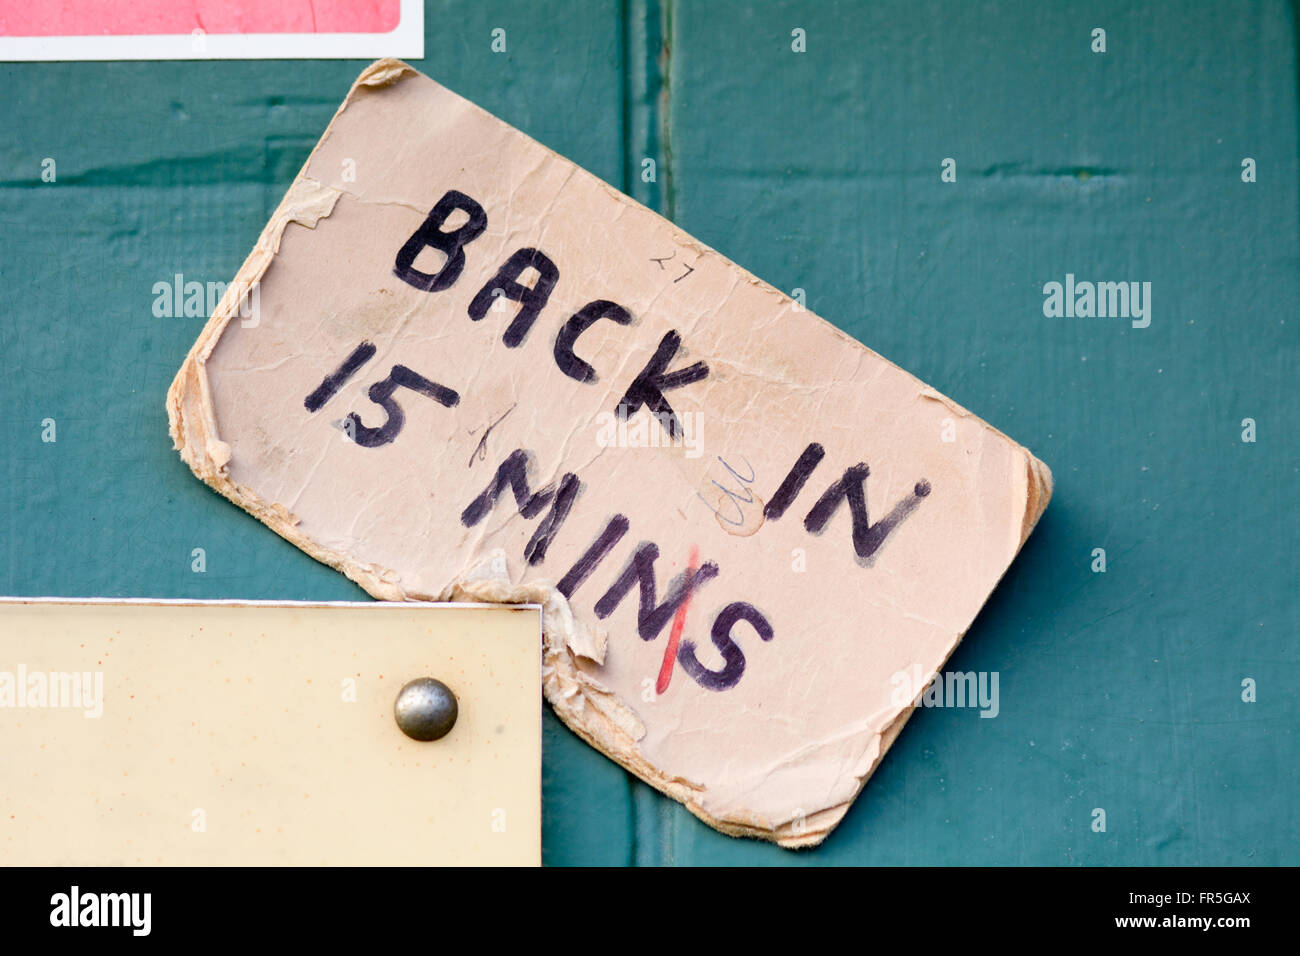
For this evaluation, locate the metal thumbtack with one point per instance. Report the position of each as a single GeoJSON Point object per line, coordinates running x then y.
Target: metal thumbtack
{"type": "Point", "coordinates": [426, 709]}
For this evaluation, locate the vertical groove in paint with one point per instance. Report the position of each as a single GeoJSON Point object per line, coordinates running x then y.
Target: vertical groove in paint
{"type": "Point", "coordinates": [646, 132]}
{"type": "Point", "coordinates": [645, 104]}
{"type": "Point", "coordinates": [665, 43]}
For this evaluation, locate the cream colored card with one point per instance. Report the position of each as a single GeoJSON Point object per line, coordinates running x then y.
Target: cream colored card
{"type": "Point", "coordinates": [457, 366]}
{"type": "Point", "coordinates": [229, 734]}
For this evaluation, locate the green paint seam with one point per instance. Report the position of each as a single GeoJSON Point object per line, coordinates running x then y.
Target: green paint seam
{"type": "Point", "coordinates": [665, 112]}
{"type": "Point", "coordinates": [645, 102]}
{"type": "Point", "coordinates": [645, 50]}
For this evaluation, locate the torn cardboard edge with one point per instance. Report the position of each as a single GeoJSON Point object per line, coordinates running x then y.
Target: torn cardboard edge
{"type": "Point", "coordinates": [591, 710]}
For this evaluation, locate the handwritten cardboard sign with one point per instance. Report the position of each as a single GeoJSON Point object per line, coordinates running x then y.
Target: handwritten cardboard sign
{"type": "Point", "coordinates": [457, 366]}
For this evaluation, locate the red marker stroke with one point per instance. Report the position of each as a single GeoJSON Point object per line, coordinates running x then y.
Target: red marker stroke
{"type": "Point", "coordinates": [679, 624]}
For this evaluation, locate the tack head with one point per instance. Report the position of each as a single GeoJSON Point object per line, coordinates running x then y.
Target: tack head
{"type": "Point", "coordinates": [426, 709]}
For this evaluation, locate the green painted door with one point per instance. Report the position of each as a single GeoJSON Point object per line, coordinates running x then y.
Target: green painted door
{"type": "Point", "coordinates": [920, 171]}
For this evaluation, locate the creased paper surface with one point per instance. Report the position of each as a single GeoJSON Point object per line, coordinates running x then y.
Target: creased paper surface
{"type": "Point", "coordinates": [474, 371]}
